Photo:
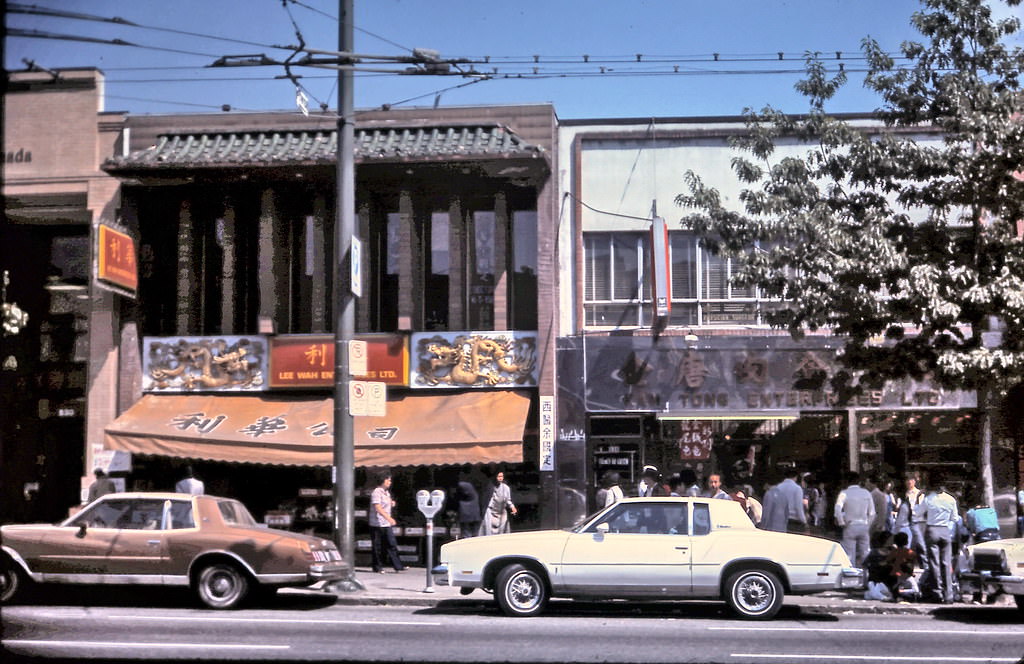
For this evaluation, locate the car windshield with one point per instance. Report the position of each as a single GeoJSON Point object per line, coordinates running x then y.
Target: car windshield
{"type": "Point", "coordinates": [235, 514]}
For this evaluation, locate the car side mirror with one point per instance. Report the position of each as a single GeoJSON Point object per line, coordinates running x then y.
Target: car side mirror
{"type": "Point", "coordinates": [82, 527]}
{"type": "Point", "coordinates": [602, 528]}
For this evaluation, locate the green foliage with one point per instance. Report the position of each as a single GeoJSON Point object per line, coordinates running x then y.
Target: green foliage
{"type": "Point", "coordinates": [901, 237]}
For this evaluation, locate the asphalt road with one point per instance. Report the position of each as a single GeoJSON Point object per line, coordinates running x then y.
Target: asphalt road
{"type": "Point", "coordinates": [311, 627]}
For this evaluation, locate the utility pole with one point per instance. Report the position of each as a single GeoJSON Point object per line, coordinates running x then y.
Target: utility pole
{"type": "Point", "coordinates": [344, 308]}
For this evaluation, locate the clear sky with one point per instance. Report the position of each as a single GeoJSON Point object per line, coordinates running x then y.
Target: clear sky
{"type": "Point", "coordinates": [676, 74]}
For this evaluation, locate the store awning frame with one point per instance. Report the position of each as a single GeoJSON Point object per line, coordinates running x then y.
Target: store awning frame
{"type": "Point", "coordinates": [421, 429]}
{"type": "Point", "coordinates": [718, 415]}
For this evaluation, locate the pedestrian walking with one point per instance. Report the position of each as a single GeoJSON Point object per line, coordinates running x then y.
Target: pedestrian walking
{"type": "Point", "coordinates": [467, 501]}
{"type": "Point", "coordinates": [915, 499]}
{"type": "Point", "coordinates": [499, 505]}
{"type": "Point", "coordinates": [101, 486]}
{"type": "Point", "coordinates": [941, 517]}
{"type": "Point", "coordinates": [881, 503]}
{"type": "Point", "coordinates": [854, 512]}
{"type": "Point", "coordinates": [773, 510]}
{"type": "Point", "coordinates": [613, 492]}
{"type": "Point", "coordinates": [384, 547]}
{"type": "Point", "coordinates": [688, 482]}
{"type": "Point", "coordinates": [653, 486]}
{"type": "Point", "coordinates": [715, 489]}
{"type": "Point", "coordinates": [793, 496]}
{"type": "Point", "coordinates": [189, 484]}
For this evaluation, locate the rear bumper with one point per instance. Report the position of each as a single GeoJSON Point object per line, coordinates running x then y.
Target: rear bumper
{"type": "Point", "coordinates": [850, 578]}
{"type": "Point", "coordinates": [327, 571]}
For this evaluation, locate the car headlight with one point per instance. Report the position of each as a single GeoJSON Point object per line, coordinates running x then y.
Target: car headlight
{"type": "Point", "coordinates": [1004, 564]}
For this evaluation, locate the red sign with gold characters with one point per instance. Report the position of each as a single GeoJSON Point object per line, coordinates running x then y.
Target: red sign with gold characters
{"type": "Point", "coordinates": [695, 439]}
{"type": "Point", "coordinates": [116, 264]}
{"type": "Point", "coordinates": [307, 360]}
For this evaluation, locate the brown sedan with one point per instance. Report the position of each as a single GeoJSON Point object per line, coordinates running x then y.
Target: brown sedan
{"type": "Point", "coordinates": [166, 539]}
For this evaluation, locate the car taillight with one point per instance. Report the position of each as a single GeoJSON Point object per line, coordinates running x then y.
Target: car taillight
{"type": "Point", "coordinates": [306, 551]}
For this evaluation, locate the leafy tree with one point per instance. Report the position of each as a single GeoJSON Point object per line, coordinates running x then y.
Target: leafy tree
{"type": "Point", "coordinates": [909, 249]}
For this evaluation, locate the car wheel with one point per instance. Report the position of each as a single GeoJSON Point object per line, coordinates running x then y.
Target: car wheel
{"type": "Point", "coordinates": [221, 586]}
{"type": "Point", "coordinates": [520, 591]}
{"type": "Point", "coordinates": [754, 594]}
{"type": "Point", "coordinates": [12, 581]}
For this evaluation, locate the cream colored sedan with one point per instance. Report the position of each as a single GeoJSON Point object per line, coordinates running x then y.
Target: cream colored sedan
{"type": "Point", "coordinates": [650, 548]}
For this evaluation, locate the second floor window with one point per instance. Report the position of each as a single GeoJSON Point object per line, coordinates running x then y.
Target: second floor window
{"type": "Point", "coordinates": [617, 279]}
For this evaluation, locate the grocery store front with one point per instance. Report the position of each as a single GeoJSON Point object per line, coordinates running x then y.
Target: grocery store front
{"type": "Point", "coordinates": [748, 408]}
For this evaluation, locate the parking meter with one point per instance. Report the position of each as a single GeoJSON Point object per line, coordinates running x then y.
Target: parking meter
{"type": "Point", "coordinates": [430, 503]}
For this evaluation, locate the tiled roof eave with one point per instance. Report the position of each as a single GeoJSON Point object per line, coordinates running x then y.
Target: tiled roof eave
{"type": "Point", "coordinates": [120, 166]}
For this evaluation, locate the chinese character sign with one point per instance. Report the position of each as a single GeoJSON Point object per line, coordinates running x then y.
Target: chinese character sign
{"type": "Point", "coordinates": [695, 439]}
{"type": "Point", "coordinates": [116, 259]}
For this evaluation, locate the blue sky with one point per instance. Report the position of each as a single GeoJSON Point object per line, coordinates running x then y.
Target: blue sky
{"type": "Point", "coordinates": [747, 35]}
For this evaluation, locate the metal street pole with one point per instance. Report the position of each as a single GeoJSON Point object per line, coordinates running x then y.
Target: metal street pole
{"type": "Point", "coordinates": [344, 308]}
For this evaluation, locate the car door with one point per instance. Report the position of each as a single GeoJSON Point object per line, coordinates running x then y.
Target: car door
{"type": "Point", "coordinates": [706, 567]}
{"type": "Point", "coordinates": [637, 549]}
{"type": "Point", "coordinates": [116, 536]}
{"type": "Point", "coordinates": [82, 545]}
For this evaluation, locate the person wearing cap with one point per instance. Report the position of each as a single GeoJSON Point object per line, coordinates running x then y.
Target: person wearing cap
{"type": "Point", "coordinates": [101, 486]}
{"type": "Point", "coordinates": [652, 483]}
{"type": "Point", "coordinates": [641, 486]}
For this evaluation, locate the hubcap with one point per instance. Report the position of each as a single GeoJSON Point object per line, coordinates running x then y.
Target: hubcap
{"type": "Point", "coordinates": [523, 592]}
{"type": "Point", "coordinates": [221, 585]}
{"type": "Point", "coordinates": [754, 593]}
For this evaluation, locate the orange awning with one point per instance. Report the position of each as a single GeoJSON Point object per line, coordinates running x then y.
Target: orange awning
{"type": "Point", "coordinates": [431, 429]}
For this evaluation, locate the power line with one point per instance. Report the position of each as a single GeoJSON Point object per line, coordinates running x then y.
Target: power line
{"type": "Point", "coordinates": [35, 10]}
{"type": "Point", "coordinates": [356, 27]}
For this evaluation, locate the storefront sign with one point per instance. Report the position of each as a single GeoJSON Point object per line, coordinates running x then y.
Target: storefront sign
{"type": "Point", "coordinates": [474, 359]}
{"type": "Point", "coordinates": [204, 364]}
{"type": "Point", "coordinates": [547, 433]}
{"type": "Point", "coordinates": [694, 438]}
{"type": "Point", "coordinates": [307, 360]}
{"type": "Point", "coordinates": [116, 260]}
{"type": "Point", "coordinates": [740, 376]}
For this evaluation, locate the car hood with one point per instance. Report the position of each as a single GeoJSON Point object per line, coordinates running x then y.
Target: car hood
{"type": "Point", "coordinates": [1014, 547]}
{"type": "Point", "coordinates": [509, 541]}
{"type": "Point", "coordinates": [19, 533]}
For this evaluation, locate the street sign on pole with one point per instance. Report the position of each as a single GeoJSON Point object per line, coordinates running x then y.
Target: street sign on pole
{"type": "Point", "coordinates": [357, 266]}
{"type": "Point", "coordinates": [367, 398]}
{"type": "Point", "coordinates": [357, 353]}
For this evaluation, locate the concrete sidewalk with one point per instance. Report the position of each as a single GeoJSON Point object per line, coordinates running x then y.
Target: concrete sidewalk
{"type": "Point", "coordinates": [409, 588]}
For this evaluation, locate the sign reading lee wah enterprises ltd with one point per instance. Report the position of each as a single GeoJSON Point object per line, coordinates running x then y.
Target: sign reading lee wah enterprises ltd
{"type": "Point", "coordinates": [307, 360]}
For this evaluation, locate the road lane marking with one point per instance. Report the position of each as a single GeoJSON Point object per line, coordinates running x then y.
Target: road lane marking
{"type": "Point", "coordinates": [121, 644]}
{"type": "Point", "coordinates": [307, 621]}
{"type": "Point", "coordinates": [878, 658]}
{"type": "Point", "coordinates": [878, 631]}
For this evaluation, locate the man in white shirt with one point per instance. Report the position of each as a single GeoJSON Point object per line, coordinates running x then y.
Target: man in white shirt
{"type": "Point", "coordinates": [189, 484]}
{"type": "Point", "coordinates": [941, 516]}
{"type": "Point", "coordinates": [854, 512]}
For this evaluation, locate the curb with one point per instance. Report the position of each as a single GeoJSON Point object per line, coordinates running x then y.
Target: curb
{"type": "Point", "coordinates": [809, 607]}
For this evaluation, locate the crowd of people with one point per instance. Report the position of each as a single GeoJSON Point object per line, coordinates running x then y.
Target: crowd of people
{"type": "Point", "coordinates": [907, 539]}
